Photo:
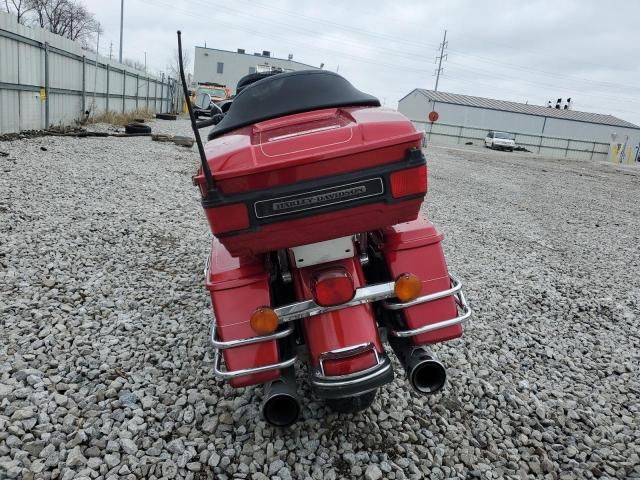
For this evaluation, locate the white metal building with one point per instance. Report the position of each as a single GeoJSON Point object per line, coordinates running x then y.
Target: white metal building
{"type": "Point", "coordinates": [227, 67]}
{"type": "Point", "coordinates": [540, 129]}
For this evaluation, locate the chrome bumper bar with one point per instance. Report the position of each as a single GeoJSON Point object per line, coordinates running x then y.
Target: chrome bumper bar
{"type": "Point", "coordinates": [308, 308]}
{"type": "Point", "coordinates": [368, 294]}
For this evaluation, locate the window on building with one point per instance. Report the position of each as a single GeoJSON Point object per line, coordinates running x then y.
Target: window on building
{"type": "Point", "coordinates": [252, 70]}
{"type": "Point", "coordinates": [220, 67]}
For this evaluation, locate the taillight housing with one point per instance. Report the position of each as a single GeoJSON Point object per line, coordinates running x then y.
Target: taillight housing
{"type": "Point", "coordinates": [332, 286]}
{"type": "Point", "coordinates": [407, 182]}
{"type": "Point", "coordinates": [228, 217]}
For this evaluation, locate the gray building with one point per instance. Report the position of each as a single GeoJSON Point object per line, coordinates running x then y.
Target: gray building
{"type": "Point", "coordinates": [226, 67]}
{"type": "Point", "coordinates": [548, 131]}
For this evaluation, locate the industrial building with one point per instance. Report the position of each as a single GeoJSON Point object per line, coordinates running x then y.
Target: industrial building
{"type": "Point", "coordinates": [227, 67]}
{"type": "Point", "coordinates": [545, 130]}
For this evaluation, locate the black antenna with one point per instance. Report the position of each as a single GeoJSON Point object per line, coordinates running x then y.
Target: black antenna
{"type": "Point", "coordinates": [203, 159]}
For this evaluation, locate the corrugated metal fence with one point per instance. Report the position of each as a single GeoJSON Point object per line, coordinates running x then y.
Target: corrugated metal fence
{"type": "Point", "coordinates": [47, 80]}
{"type": "Point", "coordinates": [550, 146]}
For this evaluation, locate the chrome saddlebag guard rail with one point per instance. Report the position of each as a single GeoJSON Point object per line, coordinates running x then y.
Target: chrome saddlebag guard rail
{"type": "Point", "coordinates": [219, 345]}
{"type": "Point", "coordinates": [307, 308]}
{"type": "Point", "coordinates": [455, 291]}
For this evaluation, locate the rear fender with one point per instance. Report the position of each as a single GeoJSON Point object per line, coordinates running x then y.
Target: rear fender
{"type": "Point", "coordinates": [340, 330]}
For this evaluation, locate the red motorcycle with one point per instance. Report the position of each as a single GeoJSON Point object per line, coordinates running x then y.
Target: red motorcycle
{"type": "Point", "coordinates": [320, 252]}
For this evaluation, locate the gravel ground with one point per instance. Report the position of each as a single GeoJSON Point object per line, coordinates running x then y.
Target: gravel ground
{"type": "Point", "coordinates": [105, 368]}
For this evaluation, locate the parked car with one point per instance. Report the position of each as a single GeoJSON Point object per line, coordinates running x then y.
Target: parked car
{"type": "Point", "coordinates": [501, 140]}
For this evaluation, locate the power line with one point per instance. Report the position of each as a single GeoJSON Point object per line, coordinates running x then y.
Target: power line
{"type": "Point", "coordinates": [422, 45]}
{"type": "Point", "coordinates": [545, 73]}
{"type": "Point", "coordinates": [499, 76]}
{"type": "Point", "coordinates": [275, 33]}
{"type": "Point", "coordinates": [502, 89]}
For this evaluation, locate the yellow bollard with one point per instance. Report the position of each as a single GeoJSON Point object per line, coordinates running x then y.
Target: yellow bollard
{"type": "Point", "coordinates": [614, 154]}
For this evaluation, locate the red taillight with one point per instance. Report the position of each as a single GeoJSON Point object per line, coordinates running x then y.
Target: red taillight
{"type": "Point", "coordinates": [332, 286]}
{"type": "Point", "coordinates": [228, 218]}
{"type": "Point", "coordinates": [409, 182]}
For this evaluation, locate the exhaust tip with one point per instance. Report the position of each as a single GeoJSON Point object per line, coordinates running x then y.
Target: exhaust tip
{"type": "Point", "coordinates": [281, 410]}
{"type": "Point", "coordinates": [428, 376]}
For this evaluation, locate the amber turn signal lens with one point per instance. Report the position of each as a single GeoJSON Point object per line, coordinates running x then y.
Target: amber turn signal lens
{"type": "Point", "coordinates": [264, 321]}
{"type": "Point", "coordinates": [408, 287]}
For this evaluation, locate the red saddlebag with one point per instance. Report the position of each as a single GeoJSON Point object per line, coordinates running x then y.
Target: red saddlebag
{"type": "Point", "coordinates": [237, 286]}
{"type": "Point", "coordinates": [415, 247]}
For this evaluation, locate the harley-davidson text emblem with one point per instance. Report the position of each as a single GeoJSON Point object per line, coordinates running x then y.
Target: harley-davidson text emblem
{"type": "Point", "coordinates": [350, 192]}
{"type": "Point", "coordinates": [319, 198]}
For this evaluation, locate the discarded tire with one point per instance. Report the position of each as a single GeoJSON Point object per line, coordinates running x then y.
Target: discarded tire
{"type": "Point", "coordinates": [137, 128]}
{"type": "Point", "coordinates": [166, 116]}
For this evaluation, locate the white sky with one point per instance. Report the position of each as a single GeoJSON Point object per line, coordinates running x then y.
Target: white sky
{"type": "Point", "coordinates": [532, 51]}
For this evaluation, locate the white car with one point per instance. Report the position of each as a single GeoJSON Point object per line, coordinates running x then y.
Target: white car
{"type": "Point", "coordinates": [501, 140]}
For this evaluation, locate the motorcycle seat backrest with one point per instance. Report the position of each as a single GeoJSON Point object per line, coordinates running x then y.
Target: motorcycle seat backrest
{"type": "Point", "coordinates": [288, 93]}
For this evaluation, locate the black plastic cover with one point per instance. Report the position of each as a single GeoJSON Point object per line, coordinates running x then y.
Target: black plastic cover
{"type": "Point", "coordinates": [289, 93]}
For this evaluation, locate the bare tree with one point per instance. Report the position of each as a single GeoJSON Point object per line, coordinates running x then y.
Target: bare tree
{"type": "Point", "coordinates": [138, 65]}
{"type": "Point", "coordinates": [68, 18]}
{"type": "Point", "coordinates": [174, 66]}
{"type": "Point", "coordinates": [81, 24]}
{"type": "Point", "coordinates": [19, 8]}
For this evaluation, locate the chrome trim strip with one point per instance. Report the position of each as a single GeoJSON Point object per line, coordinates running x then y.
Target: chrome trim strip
{"type": "Point", "coordinates": [361, 376]}
{"type": "Point", "coordinates": [225, 374]}
{"type": "Point", "coordinates": [346, 352]}
{"type": "Point", "coordinates": [207, 265]}
{"type": "Point", "coordinates": [456, 286]}
{"type": "Point", "coordinates": [220, 345]}
{"type": "Point", "coordinates": [466, 313]}
{"type": "Point", "coordinates": [304, 132]}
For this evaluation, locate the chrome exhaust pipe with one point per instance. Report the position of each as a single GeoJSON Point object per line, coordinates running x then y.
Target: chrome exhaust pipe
{"type": "Point", "coordinates": [424, 372]}
{"type": "Point", "coordinates": [281, 406]}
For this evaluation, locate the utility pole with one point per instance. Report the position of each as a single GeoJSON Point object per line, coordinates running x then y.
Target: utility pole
{"type": "Point", "coordinates": [145, 62]}
{"type": "Point", "coordinates": [95, 76]}
{"type": "Point", "coordinates": [111, 51]}
{"type": "Point", "coordinates": [439, 58]}
{"type": "Point", "coordinates": [121, 23]}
